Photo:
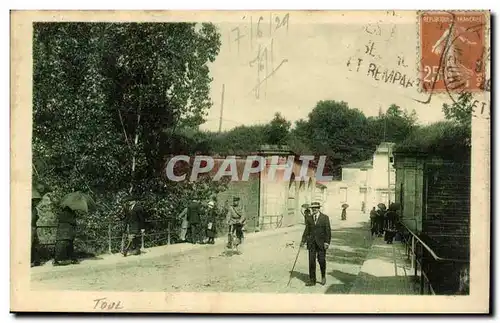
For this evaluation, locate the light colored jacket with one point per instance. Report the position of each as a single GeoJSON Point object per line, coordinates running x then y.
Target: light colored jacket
{"type": "Point", "coordinates": [235, 216]}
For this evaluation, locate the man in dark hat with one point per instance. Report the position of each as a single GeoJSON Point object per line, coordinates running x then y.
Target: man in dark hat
{"type": "Point", "coordinates": [134, 222]}
{"type": "Point", "coordinates": [317, 235]}
{"type": "Point", "coordinates": [194, 210]}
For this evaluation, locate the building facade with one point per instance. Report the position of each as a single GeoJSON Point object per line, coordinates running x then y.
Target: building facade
{"type": "Point", "coordinates": [366, 183]}
{"type": "Point", "coordinates": [434, 194]}
{"type": "Point", "coordinates": [271, 203]}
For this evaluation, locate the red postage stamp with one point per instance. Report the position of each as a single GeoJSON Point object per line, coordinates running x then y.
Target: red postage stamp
{"type": "Point", "coordinates": [452, 50]}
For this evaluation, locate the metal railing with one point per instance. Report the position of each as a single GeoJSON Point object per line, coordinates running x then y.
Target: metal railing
{"type": "Point", "coordinates": [418, 252]}
{"type": "Point", "coordinates": [116, 232]}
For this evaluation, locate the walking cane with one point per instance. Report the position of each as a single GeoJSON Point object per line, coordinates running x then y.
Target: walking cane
{"type": "Point", "coordinates": [291, 272]}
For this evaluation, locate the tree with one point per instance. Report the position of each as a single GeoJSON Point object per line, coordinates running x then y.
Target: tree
{"type": "Point", "coordinates": [393, 125]}
{"type": "Point", "coordinates": [104, 118]}
{"type": "Point", "coordinates": [111, 101]}
{"type": "Point", "coordinates": [244, 140]}
{"type": "Point", "coordinates": [277, 130]}
{"type": "Point", "coordinates": [460, 111]}
{"type": "Point", "coordinates": [333, 129]}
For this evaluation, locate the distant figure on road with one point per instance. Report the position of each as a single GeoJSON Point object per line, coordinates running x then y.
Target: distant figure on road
{"type": "Point", "coordinates": [317, 235]}
{"type": "Point", "coordinates": [306, 211]}
{"type": "Point", "coordinates": [373, 221]}
{"type": "Point", "coordinates": [134, 221]}
{"type": "Point", "coordinates": [344, 215]}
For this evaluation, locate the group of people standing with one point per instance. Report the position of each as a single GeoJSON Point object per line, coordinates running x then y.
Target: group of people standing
{"type": "Point", "coordinates": [199, 221]}
{"type": "Point", "coordinates": [64, 249]}
{"type": "Point", "coordinates": [384, 222]}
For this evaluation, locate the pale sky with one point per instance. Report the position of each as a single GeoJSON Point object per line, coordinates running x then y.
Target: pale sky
{"type": "Point", "coordinates": [316, 50]}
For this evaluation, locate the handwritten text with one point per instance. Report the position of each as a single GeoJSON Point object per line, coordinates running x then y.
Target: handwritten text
{"type": "Point", "coordinates": [105, 304]}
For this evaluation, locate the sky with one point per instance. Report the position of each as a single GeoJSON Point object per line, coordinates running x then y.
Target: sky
{"type": "Point", "coordinates": [313, 50]}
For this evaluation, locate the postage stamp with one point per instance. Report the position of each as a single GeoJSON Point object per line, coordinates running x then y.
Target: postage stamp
{"type": "Point", "coordinates": [452, 51]}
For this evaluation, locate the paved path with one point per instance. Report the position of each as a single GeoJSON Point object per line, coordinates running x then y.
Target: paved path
{"type": "Point", "coordinates": [385, 271]}
{"type": "Point", "coordinates": [264, 265]}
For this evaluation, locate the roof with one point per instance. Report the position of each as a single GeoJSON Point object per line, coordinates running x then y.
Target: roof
{"type": "Point", "coordinates": [385, 144]}
{"type": "Point", "coordinates": [361, 164]}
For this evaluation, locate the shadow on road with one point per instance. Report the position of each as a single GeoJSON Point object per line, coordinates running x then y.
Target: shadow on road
{"type": "Point", "coordinates": [389, 285]}
{"type": "Point", "coordinates": [301, 276]}
{"type": "Point", "coordinates": [349, 245]}
{"type": "Point", "coordinates": [349, 249]}
{"type": "Point", "coordinates": [346, 279]}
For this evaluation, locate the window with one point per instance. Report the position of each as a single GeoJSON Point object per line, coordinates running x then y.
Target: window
{"type": "Point", "coordinates": [343, 194]}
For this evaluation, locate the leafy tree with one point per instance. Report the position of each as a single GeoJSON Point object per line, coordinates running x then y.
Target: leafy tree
{"type": "Point", "coordinates": [461, 110]}
{"type": "Point", "coordinates": [241, 140]}
{"type": "Point", "coordinates": [278, 130]}
{"type": "Point", "coordinates": [132, 99]}
{"type": "Point", "coordinates": [446, 139]}
{"type": "Point", "coordinates": [111, 101]}
{"type": "Point", "coordinates": [334, 129]}
{"type": "Point", "coordinates": [392, 126]}
{"type": "Point", "coordinates": [244, 140]}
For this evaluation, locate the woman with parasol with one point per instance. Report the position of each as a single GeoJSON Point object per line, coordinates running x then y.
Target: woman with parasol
{"type": "Point", "coordinates": [344, 211]}
{"type": "Point", "coordinates": [66, 226]}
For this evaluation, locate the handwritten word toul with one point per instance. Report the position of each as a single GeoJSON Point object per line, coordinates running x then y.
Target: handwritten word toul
{"type": "Point", "coordinates": [105, 304]}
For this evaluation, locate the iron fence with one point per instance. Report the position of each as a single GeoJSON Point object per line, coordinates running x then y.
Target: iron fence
{"type": "Point", "coordinates": [420, 255]}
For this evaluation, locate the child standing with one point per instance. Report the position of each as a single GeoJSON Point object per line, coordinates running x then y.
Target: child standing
{"type": "Point", "coordinates": [211, 229]}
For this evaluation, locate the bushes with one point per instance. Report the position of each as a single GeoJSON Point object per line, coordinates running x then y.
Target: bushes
{"type": "Point", "coordinates": [444, 139]}
{"type": "Point", "coordinates": [163, 202]}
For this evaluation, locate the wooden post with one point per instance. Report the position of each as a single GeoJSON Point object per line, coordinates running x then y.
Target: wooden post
{"type": "Point", "coordinates": [168, 232]}
{"type": "Point", "coordinates": [142, 239]}
{"type": "Point", "coordinates": [413, 254]}
{"type": "Point", "coordinates": [109, 238]}
{"type": "Point", "coordinates": [422, 274]}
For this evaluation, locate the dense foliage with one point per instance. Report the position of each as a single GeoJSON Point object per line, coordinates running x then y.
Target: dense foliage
{"type": "Point", "coordinates": [448, 139]}
{"type": "Point", "coordinates": [332, 128]}
{"type": "Point", "coordinates": [111, 103]}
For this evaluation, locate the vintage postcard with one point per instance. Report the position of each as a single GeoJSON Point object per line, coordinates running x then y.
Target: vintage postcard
{"type": "Point", "coordinates": [250, 161]}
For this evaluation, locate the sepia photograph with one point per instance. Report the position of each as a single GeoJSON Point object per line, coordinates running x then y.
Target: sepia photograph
{"type": "Point", "coordinates": [250, 161]}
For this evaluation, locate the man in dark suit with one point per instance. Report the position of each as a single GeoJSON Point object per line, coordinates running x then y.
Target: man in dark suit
{"type": "Point", "coordinates": [194, 211]}
{"type": "Point", "coordinates": [134, 222]}
{"type": "Point", "coordinates": [317, 235]}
